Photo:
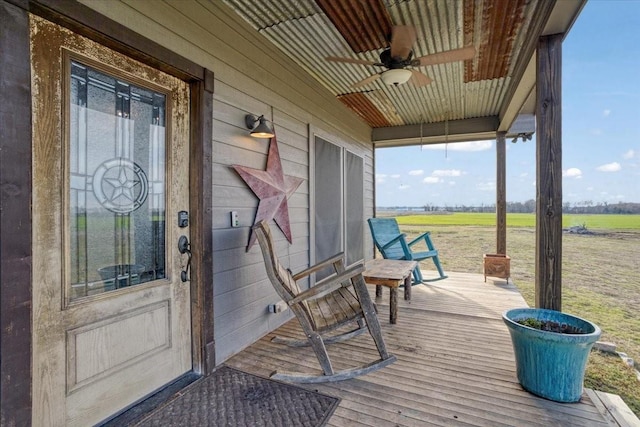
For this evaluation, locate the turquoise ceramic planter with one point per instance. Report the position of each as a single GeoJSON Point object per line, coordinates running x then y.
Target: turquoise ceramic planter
{"type": "Point", "coordinates": [550, 364]}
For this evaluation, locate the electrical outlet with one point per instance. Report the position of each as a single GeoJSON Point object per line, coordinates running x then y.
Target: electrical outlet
{"type": "Point", "coordinates": [278, 307]}
{"type": "Point", "coordinates": [235, 222]}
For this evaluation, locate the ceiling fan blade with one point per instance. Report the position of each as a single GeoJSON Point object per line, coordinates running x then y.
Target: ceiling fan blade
{"type": "Point", "coordinates": [419, 79]}
{"type": "Point", "coordinates": [402, 40]}
{"type": "Point", "coordinates": [461, 54]}
{"type": "Point", "coordinates": [349, 60]}
{"type": "Point", "coordinates": [366, 81]}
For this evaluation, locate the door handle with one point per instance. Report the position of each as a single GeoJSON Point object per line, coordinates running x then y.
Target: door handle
{"type": "Point", "coordinates": [184, 247]}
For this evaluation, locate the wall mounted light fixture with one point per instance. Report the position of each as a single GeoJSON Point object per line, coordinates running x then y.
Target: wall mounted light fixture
{"type": "Point", "coordinates": [263, 130]}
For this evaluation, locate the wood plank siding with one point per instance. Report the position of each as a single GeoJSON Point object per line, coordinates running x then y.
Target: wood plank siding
{"type": "Point", "coordinates": [250, 77]}
{"type": "Point", "coordinates": [455, 364]}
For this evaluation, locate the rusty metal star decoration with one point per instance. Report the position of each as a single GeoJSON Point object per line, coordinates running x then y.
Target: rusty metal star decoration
{"type": "Point", "coordinates": [273, 188]}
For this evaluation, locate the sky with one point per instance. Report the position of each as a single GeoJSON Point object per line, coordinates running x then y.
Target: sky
{"type": "Point", "coordinates": [600, 130]}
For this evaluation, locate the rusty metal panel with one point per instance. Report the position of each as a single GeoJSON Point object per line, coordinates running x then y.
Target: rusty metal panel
{"type": "Point", "coordinates": [495, 25]}
{"type": "Point", "coordinates": [386, 106]}
{"type": "Point", "coordinates": [365, 24]}
{"type": "Point", "coordinates": [363, 107]}
{"type": "Point", "coordinates": [308, 31]}
{"type": "Point", "coordinates": [309, 41]}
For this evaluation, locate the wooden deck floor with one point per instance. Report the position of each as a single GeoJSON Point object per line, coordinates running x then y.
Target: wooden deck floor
{"type": "Point", "coordinates": [455, 364]}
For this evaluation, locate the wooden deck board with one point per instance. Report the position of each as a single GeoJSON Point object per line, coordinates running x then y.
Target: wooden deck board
{"type": "Point", "coordinates": [455, 364]}
{"type": "Point", "coordinates": [614, 409]}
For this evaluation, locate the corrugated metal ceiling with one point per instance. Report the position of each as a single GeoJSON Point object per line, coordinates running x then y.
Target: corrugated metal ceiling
{"type": "Point", "coordinates": [309, 31]}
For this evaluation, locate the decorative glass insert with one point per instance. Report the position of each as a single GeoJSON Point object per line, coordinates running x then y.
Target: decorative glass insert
{"type": "Point", "coordinates": [117, 182]}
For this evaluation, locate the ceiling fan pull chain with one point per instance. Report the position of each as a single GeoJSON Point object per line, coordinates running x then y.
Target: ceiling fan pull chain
{"type": "Point", "coordinates": [446, 135]}
{"type": "Point", "coordinates": [421, 124]}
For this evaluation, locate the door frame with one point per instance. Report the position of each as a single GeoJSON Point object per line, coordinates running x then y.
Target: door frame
{"type": "Point", "coordinates": [16, 185]}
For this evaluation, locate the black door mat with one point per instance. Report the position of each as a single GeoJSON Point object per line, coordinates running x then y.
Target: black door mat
{"type": "Point", "coordinates": [230, 397]}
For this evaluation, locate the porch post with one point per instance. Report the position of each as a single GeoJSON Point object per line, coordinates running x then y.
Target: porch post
{"type": "Point", "coordinates": [201, 205]}
{"type": "Point", "coordinates": [15, 217]}
{"type": "Point", "coordinates": [501, 194]}
{"type": "Point", "coordinates": [548, 292]}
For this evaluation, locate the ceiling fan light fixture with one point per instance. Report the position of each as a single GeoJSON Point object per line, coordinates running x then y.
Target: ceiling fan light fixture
{"type": "Point", "coordinates": [396, 76]}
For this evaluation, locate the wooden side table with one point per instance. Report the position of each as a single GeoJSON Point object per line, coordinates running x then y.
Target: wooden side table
{"type": "Point", "coordinates": [390, 273]}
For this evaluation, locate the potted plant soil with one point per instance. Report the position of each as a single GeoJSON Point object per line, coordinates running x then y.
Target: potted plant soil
{"type": "Point", "coordinates": [551, 350]}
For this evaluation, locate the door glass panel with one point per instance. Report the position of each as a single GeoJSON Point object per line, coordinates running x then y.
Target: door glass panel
{"type": "Point", "coordinates": [117, 182]}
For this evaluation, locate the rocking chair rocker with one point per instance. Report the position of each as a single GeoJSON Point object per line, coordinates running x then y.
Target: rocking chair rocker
{"type": "Point", "coordinates": [335, 301]}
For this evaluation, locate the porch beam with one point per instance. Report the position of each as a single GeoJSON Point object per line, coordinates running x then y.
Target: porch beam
{"type": "Point", "coordinates": [548, 271]}
{"type": "Point", "coordinates": [474, 129]}
{"type": "Point", "coordinates": [501, 193]}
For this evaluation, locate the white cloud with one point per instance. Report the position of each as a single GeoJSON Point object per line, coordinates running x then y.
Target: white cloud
{"type": "Point", "coordinates": [629, 155]}
{"type": "Point", "coordinates": [606, 113]}
{"type": "Point", "coordinates": [404, 187]}
{"type": "Point", "coordinates": [486, 186]}
{"type": "Point", "coordinates": [524, 174]}
{"type": "Point", "coordinates": [596, 132]}
{"type": "Point", "coordinates": [446, 172]}
{"type": "Point", "coordinates": [431, 180]}
{"type": "Point", "coordinates": [395, 176]}
{"type": "Point", "coordinates": [572, 173]}
{"type": "Point", "coordinates": [416, 172]}
{"type": "Point", "coordinates": [452, 183]}
{"type": "Point", "coordinates": [609, 167]}
{"type": "Point", "coordinates": [380, 178]}
{"type": "Point", "coordinates": [461, 146]}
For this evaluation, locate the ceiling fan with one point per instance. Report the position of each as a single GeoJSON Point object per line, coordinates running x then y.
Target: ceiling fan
{"type": "Point", "coordinates": [398, 56]}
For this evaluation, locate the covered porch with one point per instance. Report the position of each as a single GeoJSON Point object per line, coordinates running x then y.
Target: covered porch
{"type": "Point", "coordinates": [461, 366]}
{"type": "Point", "coordinates": [455, 364]}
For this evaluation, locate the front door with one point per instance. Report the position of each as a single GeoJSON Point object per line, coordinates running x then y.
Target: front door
{"type": "Point", "coordinates": [111, 319]}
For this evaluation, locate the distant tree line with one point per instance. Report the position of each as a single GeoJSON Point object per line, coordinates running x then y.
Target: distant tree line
{"type": "Point", "coordinates": [585, 207]}
{"type": "Point", "coordinates": [588, 207]}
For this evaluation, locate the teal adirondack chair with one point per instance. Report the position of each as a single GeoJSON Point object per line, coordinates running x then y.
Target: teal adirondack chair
{"type": "Point", "coordinates": [393, 244]}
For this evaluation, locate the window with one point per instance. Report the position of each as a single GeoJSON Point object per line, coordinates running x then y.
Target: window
{"type": "Point", "coordinates": [339, 203]}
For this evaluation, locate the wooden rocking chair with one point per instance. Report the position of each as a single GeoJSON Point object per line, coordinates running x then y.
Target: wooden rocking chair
{"type": "Point", "coordinates": [335, 301]}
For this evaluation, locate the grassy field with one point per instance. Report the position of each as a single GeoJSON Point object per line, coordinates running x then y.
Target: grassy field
{"type": "Point", "coordinates": [600, 276]}
{"type": "Point", "coordinates": [609, 222]}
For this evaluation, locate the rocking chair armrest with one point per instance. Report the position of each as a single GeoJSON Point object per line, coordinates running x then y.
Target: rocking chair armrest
{"type": "Point", "coordinates": [426, 236]}
{"type": "Point", "coordinates": [328, 285]}
{"type": "Point", "coordinates": [319, 266]}
{"type": "Point", "coordinates": [400, 237]}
